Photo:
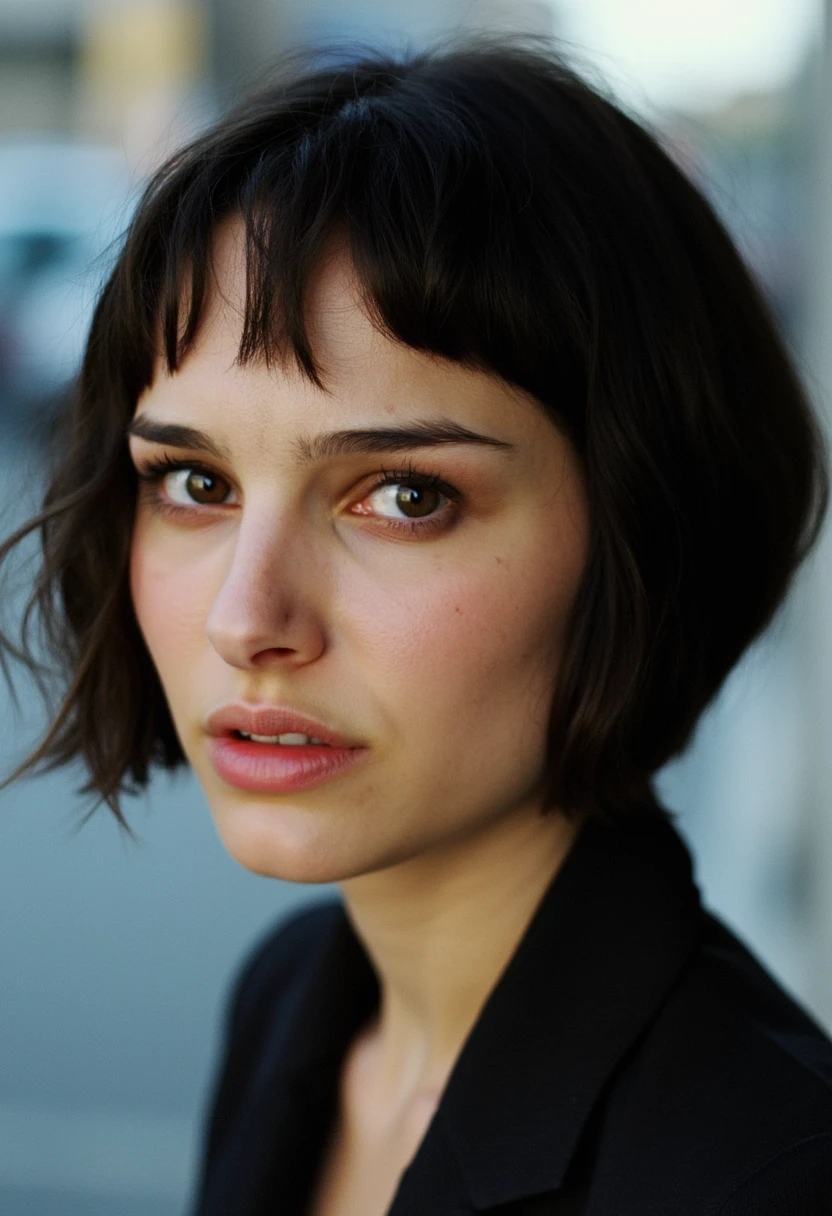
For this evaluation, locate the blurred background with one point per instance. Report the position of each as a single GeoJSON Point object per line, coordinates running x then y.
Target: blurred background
{"type": "Point", "coordinates": [115, 957]}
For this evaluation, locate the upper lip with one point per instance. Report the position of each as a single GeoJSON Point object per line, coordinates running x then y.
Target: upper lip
{"type": "Point", "coordinates": [271, 720]}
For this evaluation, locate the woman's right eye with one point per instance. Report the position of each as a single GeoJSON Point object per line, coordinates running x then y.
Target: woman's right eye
{"type": "Point", "coordinates": [188, 486]}
{"type": "Point", "coordinates": [179, 487]}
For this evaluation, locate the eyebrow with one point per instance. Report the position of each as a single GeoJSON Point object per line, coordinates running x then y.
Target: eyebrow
{"type": "Point", "coordinates": [329, 444]}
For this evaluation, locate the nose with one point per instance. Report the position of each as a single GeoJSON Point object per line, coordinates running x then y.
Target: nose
{"type": "Point", "coordinates": [263, 616]}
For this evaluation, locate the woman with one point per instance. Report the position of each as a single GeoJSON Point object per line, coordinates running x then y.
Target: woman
{"type": "Point", "coordinates": [434, 459]}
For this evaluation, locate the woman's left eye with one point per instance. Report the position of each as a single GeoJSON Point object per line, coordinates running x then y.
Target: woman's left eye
{"type": "Point", "coordinates": [415, 502]}
{"type": "Point", "coordinates": [410, 501]}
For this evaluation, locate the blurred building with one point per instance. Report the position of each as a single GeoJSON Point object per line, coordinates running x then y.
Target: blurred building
{"type": "Point", "coordinates": [121, 72]}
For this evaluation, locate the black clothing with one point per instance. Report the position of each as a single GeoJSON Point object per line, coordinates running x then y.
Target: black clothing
{"type": "Point", "coordinates": [633, 1060]}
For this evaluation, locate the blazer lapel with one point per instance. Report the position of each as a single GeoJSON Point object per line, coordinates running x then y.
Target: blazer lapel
{"type": "Point", "coordinates": [609, 938]}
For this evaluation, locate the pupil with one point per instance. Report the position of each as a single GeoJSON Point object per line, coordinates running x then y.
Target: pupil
{"type": "Point", "coordinates": [412, 498]}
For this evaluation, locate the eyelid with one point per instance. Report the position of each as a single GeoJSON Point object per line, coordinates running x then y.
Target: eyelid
{"type": "Point", "coordinates": [152, 471]}
{"type": "Point", "coordinates": [165, 463]}
{"type": "Point", "coordinates": [423, 526]}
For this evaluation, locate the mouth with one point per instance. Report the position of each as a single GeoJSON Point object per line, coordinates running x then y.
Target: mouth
{"type": "Point", "coordinates": [279, 764]}
{"type": "Point", "coordinates": [273, 749]}
{"type": "Point", "coordinates": [274, 726]}
{"type": "Point", "coordinates": [289, 739]}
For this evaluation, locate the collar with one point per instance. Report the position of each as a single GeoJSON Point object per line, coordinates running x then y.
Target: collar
{"type": "Point", "coordinates": [610, 936]}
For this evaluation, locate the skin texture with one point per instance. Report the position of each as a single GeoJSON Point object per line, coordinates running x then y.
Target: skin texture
{"type": "Point", "coordinates": [437, 650]}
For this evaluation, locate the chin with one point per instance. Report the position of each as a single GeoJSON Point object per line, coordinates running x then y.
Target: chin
{"type": "Point", "coordinates": [283, 842]}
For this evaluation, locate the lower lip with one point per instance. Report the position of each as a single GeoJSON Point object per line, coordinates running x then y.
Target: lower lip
{"type": "Point", "coordinates": [273, 768]}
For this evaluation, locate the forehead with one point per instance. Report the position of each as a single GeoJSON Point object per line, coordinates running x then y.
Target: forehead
{"type": "Point", "coordinates": [365, 373]}
{"type": "Point", "coordinates": [339, 327]}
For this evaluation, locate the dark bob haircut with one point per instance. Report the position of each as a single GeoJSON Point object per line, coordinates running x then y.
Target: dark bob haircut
{"type": "Point", "coordinates": [501, 213]}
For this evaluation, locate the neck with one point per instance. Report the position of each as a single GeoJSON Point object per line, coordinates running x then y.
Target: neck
{"type": "Point", "coordinates": [440, 930]}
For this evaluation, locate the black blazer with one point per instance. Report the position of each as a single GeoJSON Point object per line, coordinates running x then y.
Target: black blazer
{"type": "Point", "coordinates": [633, 1060]}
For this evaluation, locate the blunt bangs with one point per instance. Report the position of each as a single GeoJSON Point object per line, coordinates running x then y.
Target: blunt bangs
{"type": "Point", "coordinates": [501, 213]}
{"type": "Point", "coordinates": [448, 242]}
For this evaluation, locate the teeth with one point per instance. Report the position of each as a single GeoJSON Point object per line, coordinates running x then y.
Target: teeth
{"type": "Point", "coordinates": [291, 738]}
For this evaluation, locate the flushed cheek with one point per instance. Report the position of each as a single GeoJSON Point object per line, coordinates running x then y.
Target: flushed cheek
{"type": "Point", "coordinates": [462, 674]}
{"type": "Point", "coordinates": [172, 599]}
{"type": "Point", "coordinates": [455, 644]}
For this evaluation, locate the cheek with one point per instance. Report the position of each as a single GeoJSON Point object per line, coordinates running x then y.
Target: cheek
{"type": "Point", "coordinates": [467, 634]}
{"type": "Point", "coordinates": [171, 599]}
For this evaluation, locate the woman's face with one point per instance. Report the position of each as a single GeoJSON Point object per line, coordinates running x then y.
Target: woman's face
{"type": "Point", "coordinates": [424, 625]}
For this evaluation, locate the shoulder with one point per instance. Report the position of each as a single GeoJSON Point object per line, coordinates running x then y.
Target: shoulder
{"type": "Point", "coordinates": [261, 996]}
{"type": "Point", "coordinates": [727, 1100]}
{"type": "Point", "coordinates": [732, 1012]}
{"type": "Point", "coordinates": [275, 964]}
{"type": "Point", "coordinates": [265, 1008]}
{"type": "Point", "coordinates": [796, 1180]}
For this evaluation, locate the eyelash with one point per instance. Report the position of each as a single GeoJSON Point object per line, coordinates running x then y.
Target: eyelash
{"type": "Point", "coordinates": [152, 472]}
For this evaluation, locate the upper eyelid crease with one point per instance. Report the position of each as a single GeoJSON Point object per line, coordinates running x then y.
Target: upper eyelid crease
{"type": "Point", "coordinates": [157, 470]}
{"type": "Point", "coordinates": [314, 449]}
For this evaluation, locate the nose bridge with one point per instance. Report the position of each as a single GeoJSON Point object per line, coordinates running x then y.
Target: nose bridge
{"type": "Point", "coordinates": [266, 601]}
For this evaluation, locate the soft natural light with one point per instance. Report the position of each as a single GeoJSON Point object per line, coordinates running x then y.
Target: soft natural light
{"type": "Point", "coordinates": [674, 52]}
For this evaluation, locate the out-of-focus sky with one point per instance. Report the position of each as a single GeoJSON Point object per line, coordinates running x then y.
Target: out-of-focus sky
{"type": "Point", "coordinates": [686, 53]}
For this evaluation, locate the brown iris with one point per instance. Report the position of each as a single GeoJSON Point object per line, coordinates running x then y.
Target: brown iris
{"type": "Point", "coordinates": [205, 487]}
{"type": "Point", "coordinates": [417, 502]}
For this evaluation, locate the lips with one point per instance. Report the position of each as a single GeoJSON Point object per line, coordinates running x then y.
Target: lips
{"type": "Point", "coordinates": [275, 768]}
{"type": "Point", "coordinates": [272, 720]}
